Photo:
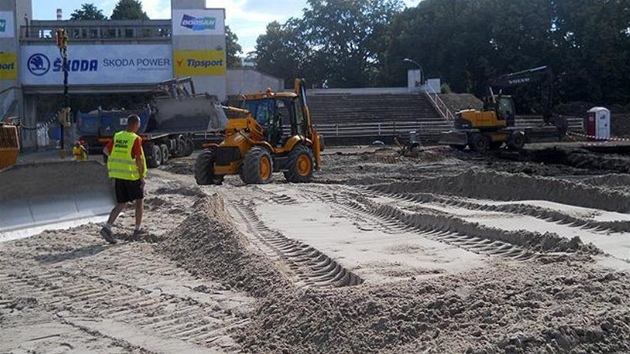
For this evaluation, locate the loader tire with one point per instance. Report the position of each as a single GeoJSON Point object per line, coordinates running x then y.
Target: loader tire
{"type": "Point", "coordinates": [155, 160]}
{"type": "Point", "coordinates": [300, 165]}
{"type": "Point", "coordinates": [517, 141]}
{"type": "Point", "coordinates": [164, 150]}
{"type": "Point", "coordinates": [257, 166]}
{"type": "Point", "coordinates": [204, 168]}
{"type": "Point", "coordinates": [479, 142]}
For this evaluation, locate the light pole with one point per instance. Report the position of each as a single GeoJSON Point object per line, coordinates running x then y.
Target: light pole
{"type": "Point", "coordinates": [419, 67]}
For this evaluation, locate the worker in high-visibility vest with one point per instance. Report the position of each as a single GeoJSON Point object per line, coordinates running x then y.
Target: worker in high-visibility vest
{"type": "Point", "coordinates": [127, 165]}
{"type": "Point", "coordinates": [79, 151]}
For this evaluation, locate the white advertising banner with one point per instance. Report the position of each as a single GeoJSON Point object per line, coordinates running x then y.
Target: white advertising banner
{"type": "Point", "coordinates": [198, 22]}
{"type": "Point", "coordinates": [7, 25]}
{"type": "Point", "coordinates": [97, 64]}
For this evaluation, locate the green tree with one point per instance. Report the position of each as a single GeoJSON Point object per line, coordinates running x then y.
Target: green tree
{"type": "Point", "coordinates": [129, 10]}
{"type": "Point", "coordinates": [344, 34]}
{"type": "Point", "coordinates": [233, 49]}
{"type": "Point", "coordinates": [88, 12]}
{"type": "Point", "coordinates": [467, 42]}
{"type": "Point", "coordinates": [334, 42]}
{"type": "Point", "coordinates": [282, 51]}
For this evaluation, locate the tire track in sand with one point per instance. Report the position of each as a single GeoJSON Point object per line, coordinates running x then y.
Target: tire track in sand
{"type": "Point", "coordinates": [105, 301]}
{"type": "Point", "coordinates": [519, 245]}
{"type": "Point", "coordinates": [512, 208]}
{"type": "Point", "coordinates": [312, 267]}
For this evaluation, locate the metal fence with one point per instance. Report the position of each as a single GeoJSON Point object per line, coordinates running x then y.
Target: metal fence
{"type": "Point", "coordinates": [153, 30]}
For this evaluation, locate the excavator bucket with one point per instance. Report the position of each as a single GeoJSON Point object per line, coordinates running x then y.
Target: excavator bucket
{"type": "Point", "coordinates": [38, 196]}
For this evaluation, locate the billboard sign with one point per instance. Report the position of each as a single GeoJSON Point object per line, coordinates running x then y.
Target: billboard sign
{"type": "Point", "coordinates": [97, 64]}
{"type": "Point", "coordinates": [198, 22]}
{"type": "Point", "coordinates": [199, 63]}
{"type": "Point", "coordinates": [8, 66]}
{"type": "Point", "coordinates": [7, 25]}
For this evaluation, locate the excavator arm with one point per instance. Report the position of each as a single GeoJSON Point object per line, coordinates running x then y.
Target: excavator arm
{"type": "Point", "coordinates": [542, 75]}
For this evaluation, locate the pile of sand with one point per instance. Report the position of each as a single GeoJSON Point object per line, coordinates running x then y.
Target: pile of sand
{"type": "Point", "coordinates": [510, 307]}
{"type": "Point", "coordinates": [510, 187]}
{"type": "Point", "coordinates": [460, 101]}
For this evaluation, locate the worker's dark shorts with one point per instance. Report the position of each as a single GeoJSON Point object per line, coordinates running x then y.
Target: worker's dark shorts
{"type": "Point", "coordinates": [128, 191]}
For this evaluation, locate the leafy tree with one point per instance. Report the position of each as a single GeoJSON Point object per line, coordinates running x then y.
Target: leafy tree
{"type": "Point", "coordinates": [129, 10]}
{"type": "Point", "coordinates": [233, 49]}
{"type": "Point", "coordinates": [344, 34]}
{"type": "Point", "coordinates": [335, 42]}
{"type": "Point", "coordinates": [88, 12]}
{"type": "Point", "coordinates": [467, 42]}
{"type": "Point", "coordinates": [282, 51]}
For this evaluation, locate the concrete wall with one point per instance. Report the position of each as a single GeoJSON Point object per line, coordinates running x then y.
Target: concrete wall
{"type": "Point", "coordinates": [242, 81]}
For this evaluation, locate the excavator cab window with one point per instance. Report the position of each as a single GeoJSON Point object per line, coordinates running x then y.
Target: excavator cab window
{"type": "Point", "coordinates": [505, 109]}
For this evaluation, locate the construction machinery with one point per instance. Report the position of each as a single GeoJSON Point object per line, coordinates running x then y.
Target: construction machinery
{"type": "Point", "coordinates": [167, 124]}
{"type": "Point", "coordinates": [494, 125]}
{"type": "Point", "coordinates": [256, 143]}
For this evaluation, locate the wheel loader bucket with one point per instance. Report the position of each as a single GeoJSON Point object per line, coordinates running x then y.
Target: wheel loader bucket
{"type": "Point", "coordinates": [37, 196]}
{"type": "Point", "coordinates": [453, 138]}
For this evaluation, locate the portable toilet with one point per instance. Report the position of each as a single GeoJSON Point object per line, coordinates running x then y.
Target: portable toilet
{"type": "Point", "coordinates": [597, 123]}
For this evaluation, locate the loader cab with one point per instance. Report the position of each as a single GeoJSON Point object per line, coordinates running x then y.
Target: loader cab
{"type": "Point", "coordinates": [275, 113]}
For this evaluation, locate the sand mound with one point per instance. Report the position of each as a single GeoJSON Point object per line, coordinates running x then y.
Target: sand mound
{"type": "Point", "coordinates": [510, 187]}
{"type": "Point", "coordinates": [511, 309]}
{"type": "Point", "coordinates": [459, 101]}
{"type": "Point", "coordinates": [207, 243]}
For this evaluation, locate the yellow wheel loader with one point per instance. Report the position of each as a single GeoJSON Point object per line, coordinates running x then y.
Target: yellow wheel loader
{"type": "Point", "coordinates": [256, 143]}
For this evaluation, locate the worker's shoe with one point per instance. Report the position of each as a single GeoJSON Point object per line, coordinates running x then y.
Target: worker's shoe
{"type": "Point", "coordinates": [139, 235]}
{"type": "Point", "coordinates": [108, 235]}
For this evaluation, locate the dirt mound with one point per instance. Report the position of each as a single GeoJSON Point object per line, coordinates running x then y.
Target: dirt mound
{"type": "Point", "coordinates": [207, 243]}
{"type": "Point", "coordinates": [505, 309]}
{"type": "Point", "coordinates": [510, 187]}
{"type": "Point", "coordinates": [515, 208]}
{"type": "Point", "coordinates": [577, 158]}
{"type": "Point", "coordinates": [534, 241]}
{"type": "Point", "coordinates": [460, 101]}
{"type": "Point", "coordinates": [611, 180]}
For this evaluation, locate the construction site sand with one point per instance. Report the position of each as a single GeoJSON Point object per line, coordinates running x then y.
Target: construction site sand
{"type": "Point", "coordinates": [283, 244]}
{"type": "Point", "coordinates": [507, 306]}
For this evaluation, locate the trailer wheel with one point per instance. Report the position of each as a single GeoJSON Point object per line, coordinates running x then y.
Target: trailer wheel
{"type": "Point", "coordinates": [164, 150]}
{"type": "Point", "coordinates": [517, 141]}
{"type": "Point", "coordinates": [189, 147]}
{"type": "Point", "coordinates": [155, 160]}
{"type": "Point", "coordinates": [479, 142]}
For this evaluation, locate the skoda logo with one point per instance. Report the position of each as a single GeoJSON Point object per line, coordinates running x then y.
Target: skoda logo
{"type": "Point", "coordinates": [38, 64]}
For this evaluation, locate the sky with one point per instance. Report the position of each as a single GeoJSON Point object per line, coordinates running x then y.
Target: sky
{"type": "Point", "coordinates": [247, 18]}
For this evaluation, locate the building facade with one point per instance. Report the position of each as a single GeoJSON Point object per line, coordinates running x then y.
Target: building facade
{"type": "Point", "coordinates": [106, 57]}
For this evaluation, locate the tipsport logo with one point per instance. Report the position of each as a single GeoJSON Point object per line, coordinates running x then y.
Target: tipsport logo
{"type": "Point", "coordinates": [3, 25]}
{"type": "Point", "coordinates": [199, 23]}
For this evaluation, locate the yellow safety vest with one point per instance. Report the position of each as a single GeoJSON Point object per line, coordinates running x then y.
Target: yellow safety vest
{"type": "Point", "coordinates": [120, 164]}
